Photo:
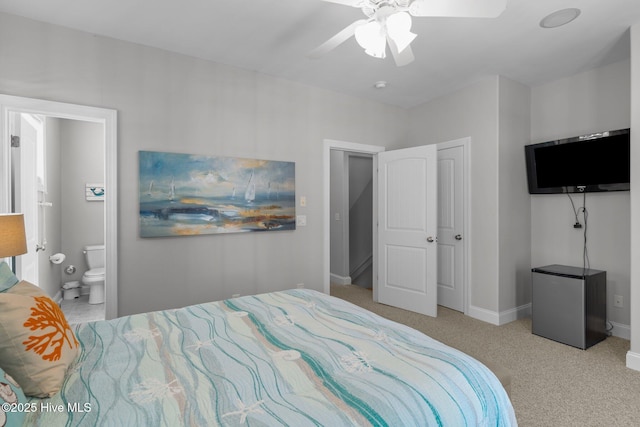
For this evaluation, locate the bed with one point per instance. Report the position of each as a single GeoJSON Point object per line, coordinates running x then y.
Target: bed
{"type": "Point", "coordinates": [296, 357]}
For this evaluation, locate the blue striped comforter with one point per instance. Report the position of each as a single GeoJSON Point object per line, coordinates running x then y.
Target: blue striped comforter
{"type": "Point", "coordinates": [298, 358]}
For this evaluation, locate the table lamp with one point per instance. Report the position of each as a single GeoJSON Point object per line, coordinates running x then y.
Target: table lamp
{"type": "Point", "coordinates": [12, 237]}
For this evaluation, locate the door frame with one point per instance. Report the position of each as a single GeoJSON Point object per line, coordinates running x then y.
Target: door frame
{"type": "Point", "coordinates": [465, 143]}
{"type": "Point", "coordinates": [106, 117]}
{"type": "Point", "coordinates": [352, 147]}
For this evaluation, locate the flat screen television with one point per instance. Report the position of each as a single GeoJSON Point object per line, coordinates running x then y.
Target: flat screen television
{"type": "Point", "coordinates": [588, 163]}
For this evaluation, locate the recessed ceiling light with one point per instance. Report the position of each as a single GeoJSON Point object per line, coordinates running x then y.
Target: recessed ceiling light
{"type": "Point", "coordinates": [559, 18]}
{"type": "Point", "coordinates": [380, 85]}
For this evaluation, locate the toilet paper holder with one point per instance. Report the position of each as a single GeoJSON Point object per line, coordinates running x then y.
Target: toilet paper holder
{"type": "Point", "coordinates": [57, 258]}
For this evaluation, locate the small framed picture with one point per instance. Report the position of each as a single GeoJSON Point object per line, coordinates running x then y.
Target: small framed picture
{"type": "Point", "coordinates": [94, 192]}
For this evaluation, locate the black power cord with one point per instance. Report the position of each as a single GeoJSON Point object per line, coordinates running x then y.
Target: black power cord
{"type": "Point", "coordinates": [575, 212]}
{"type": "Point", "coordinates": [585, 215]}
{"type": "Point", "coordinates": [609, 329]}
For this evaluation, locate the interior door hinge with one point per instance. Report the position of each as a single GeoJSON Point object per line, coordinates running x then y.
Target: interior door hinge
{"type": "Point", "coordinates": [15, 141]}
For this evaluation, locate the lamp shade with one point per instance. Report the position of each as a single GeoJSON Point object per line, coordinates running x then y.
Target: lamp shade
{"type": "Point", "coordinates": [12, 237]}
{"type": "Point", "coordinates": [371, 37]}
{"type": "Point", "coordinates": [398, 29]}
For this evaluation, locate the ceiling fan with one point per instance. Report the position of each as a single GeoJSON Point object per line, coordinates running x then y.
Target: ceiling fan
{"type": "Point", "coordinates": [388, 22]}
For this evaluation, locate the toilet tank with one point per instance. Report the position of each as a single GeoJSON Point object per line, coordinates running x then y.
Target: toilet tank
{"type": "Point", "coordinates": [94, 255]}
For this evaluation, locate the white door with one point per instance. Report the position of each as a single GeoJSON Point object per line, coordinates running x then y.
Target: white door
{"type": "Point", "coordinates": [26, 197]}
{"type": "Point", "coordinates": [407, 227]}
{"type": "Point", "coordinates": [451, 230]}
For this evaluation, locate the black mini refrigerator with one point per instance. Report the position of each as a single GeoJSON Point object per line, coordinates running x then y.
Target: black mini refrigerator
{"type": "Point", "coordinates": [569, 304]}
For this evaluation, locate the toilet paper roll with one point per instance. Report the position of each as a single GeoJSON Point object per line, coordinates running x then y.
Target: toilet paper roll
{"type": "Point", "coordinates": [57, 258]}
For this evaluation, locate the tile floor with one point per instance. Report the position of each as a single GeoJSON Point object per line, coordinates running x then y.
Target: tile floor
{"type": "Point", "coordinates": [79, 310]}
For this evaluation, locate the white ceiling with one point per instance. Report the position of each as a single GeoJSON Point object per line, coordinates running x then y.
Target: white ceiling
{"type": "Point", "coordinates": [274, 36]}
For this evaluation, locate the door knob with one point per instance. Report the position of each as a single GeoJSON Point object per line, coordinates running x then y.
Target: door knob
{"type": "Point", "coordinates": [458, 237]}
{"type": "Point", "coordinates": [431, 239]}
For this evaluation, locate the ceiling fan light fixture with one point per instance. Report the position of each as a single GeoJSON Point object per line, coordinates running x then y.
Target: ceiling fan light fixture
{"type": "Point", "coordinates": [403, 41]}
{"type": "Point", "coordinates": [372, 39]}
{"type": "Point", "coordinates": [379, 52]}
{"type": "Point", "coordinates": [399, 23]}
{"type": "Point", "coordinates": [398, 29]}
{"type": "Point", "coordinates": [389, 22]}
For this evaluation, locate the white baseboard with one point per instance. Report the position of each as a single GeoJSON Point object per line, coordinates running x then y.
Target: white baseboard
{"type": "Point", "coordinates": [633, 361]}
{"type": "Point", "coordinates": [483, 314]}
{"type": "Point", "coordinates": [499, 318]}
{"type": "Point", "coordinates": [509, 316]}
{"type": "Point", "coordinates": [340, 280]}
{"type": "Point", "coordinates": [621, 331]}
{"type": "Point", "coordinates": [502, 318]}
{"type": "Point", "coordinates": [58, 298]}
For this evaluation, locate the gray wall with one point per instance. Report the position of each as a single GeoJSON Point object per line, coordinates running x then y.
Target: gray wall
{"type": "Point", "coordinates": [495, 114]}
{"type": "Point", "coordinates": [171, 102]}
{"type": "Point", "coordinates": [471, 112]}
{"type": "Point", "coordinates": [514, 201]}
{"type": "Point", "coordinates": [512, 231]}
{"type": "Point", "coordinates": [592, 101]}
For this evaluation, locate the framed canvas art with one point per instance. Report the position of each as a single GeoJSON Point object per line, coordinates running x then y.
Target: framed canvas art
{"type": "Point", "coordinates": [186, 194]}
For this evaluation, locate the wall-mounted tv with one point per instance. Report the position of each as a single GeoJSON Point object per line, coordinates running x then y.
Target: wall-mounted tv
{"type": "Point", "coordinates": [588, 163]}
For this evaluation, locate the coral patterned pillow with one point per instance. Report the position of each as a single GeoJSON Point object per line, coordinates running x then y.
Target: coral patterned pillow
{"type": "Point", "coordinates": [25, 288]}
{"type": "Point", "coordinates": [36, 343]}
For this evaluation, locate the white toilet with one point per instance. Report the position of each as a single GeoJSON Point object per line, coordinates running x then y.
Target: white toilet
{"type": "Point", "coordinates": [94, 277]}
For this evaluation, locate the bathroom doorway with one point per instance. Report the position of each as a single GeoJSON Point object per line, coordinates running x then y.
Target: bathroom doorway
{"type": "Point", "coordinates": [78, 153]}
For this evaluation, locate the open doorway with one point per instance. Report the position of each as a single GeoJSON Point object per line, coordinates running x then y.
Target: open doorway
{"type": "Point", "coordinates": [356, 150]}
{"type": "Point", "coordinates": [351, 208]}
{"type": "Point", "coordinates": [55, 165]}
{"type": "Point", "coordinates": [412, 284]}
{"type": "Point", "coordinates": [452, 224]}
{"type": "Point", "coordinates": [80, 121]}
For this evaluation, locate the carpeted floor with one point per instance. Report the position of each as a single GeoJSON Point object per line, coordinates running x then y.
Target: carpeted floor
{"type": "Point", "coordinates": [552, 384]}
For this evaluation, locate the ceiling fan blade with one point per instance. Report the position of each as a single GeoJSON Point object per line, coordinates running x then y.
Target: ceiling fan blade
{"type": "Point", "coordinates": [458, 8]}
{"type": "Point", "coordinates": [402, 58]}
{"type": "Point", "coordinates": [352, 3]}
{"type": "Point", "coordinates": [336, 40]}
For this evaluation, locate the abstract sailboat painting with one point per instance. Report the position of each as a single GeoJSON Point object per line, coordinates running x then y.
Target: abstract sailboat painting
{"type": "Point", "coordinates": [185, 194]}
